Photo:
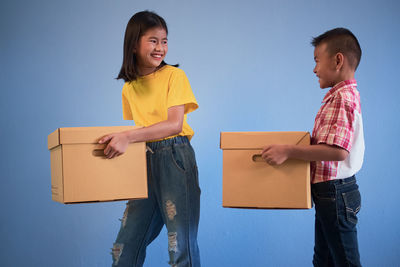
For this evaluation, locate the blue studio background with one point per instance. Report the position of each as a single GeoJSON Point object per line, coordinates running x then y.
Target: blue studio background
{"type": "Point", "coordinates": [250, 66]}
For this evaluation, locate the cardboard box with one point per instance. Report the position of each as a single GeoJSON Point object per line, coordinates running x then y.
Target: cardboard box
{"type": "Point", "coordinates": [81, 173]}
{"type": "Point", "coordinates": [249, 182]}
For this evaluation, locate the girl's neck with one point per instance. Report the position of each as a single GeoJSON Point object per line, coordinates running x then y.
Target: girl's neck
{"type": "Point", "coordinates": [146, 71]}
{"type": "Point", "coordinates": [143, 71]}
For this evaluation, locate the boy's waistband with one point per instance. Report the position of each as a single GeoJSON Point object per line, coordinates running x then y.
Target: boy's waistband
{"type": "Point", "coordinates": [332, 184]}
{"type": "Point", "coordinates": [167, 142]}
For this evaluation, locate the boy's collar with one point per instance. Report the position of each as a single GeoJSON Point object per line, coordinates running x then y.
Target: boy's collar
{"type": "Point", "coordinates": [337, 87]}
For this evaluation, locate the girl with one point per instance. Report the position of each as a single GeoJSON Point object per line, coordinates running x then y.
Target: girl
{"type": "Point", "coordinates": [157, 96]}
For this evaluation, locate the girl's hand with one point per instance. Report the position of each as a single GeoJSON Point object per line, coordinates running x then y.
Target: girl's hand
{"type": "Point", "coordinates": [275, 154]}
{"type": "Point", "coordinates": [118, 143]}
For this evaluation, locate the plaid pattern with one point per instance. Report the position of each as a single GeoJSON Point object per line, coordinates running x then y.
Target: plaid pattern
{"type": "Point", "coordinates": [334, 125]}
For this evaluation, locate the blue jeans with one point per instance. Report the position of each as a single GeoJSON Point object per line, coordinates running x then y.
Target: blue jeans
{"type": "Point", "coordinates": [337, 203]}
{"type": "Point", "coordinates": [173, 200]}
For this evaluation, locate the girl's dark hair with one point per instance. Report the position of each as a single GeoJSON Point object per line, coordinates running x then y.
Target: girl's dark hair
{"type": "Point", "coordinates": [341, 40]}
{"type": "Point", "coordinates": [136, 28]}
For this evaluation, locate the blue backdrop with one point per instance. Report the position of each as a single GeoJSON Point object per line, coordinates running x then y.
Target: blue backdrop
{"type": "Point", "coordinates": [250, 65]}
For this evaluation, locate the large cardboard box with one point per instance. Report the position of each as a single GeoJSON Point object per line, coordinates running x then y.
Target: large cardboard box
{"type": "Point", "coordinates": [81, 173]}
{"type": "Point", "coordinates": [249, 182]}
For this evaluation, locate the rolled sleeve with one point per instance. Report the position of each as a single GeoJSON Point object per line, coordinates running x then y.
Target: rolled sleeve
{"type": "Point", "coordinates": [337, 127]}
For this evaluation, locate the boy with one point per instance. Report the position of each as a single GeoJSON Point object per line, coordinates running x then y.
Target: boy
{"type": "Point", "coordinates": [336, 151]}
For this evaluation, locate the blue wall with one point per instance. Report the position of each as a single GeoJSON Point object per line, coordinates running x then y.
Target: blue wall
{"type": "Point", "coordinates": [250, 65]}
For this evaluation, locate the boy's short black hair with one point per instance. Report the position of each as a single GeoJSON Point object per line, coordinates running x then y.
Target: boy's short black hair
{"type": "Point", "coordinates": [341, 40]}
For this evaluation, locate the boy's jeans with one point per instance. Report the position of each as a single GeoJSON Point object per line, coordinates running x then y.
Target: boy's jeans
{"type": "Point", "coordinates": [173, 200]}
{"type": "Point", "coordinates": [337, 203]}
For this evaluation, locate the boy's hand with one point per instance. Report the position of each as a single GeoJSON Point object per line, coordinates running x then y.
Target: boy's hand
{"type": "Point", "coordinates": [118, 143]}
{"type": "Point", "coordinates": [275, 154]}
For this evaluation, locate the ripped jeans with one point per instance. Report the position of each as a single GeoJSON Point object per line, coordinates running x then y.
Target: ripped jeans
{"type": "Point", "coordinates": [337, 203]}
{"type": "Point", "coordinates": [173, 200]}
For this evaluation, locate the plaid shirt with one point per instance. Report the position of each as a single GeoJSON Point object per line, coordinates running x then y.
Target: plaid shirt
{"type": "Point", "coordinates": [335, 124]}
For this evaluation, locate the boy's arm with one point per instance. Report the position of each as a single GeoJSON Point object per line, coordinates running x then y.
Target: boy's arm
{"type": "Point", "coordinates": [278, 154]}
{"type": "Point", "coordinates": [118, 142]}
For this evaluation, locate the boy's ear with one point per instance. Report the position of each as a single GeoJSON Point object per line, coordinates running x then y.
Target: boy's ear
{"type": "Point", "coordinates": [339, 60]}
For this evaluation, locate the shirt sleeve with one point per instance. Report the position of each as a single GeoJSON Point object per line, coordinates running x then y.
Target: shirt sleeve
{"type": "Point", "coordinates": [337, 127]}
{"type": "Point", "coordinates": [126, 109]}
{"type": "Point", "coordinates": [180, 92]}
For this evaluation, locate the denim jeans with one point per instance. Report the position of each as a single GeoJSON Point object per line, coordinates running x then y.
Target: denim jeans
{"type": "Point", "coordinates": [337, 203]}
{"type": "Point", "coordinates": [173, 200]}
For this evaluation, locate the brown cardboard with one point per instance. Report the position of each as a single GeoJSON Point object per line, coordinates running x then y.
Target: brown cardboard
{"type": "Point", "coordinates": [81, 173]}
{"type": "Point", "coordinates": [249, 182]}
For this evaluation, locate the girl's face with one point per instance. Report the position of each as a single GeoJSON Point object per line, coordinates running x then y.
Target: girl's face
{"type": "Point", "coordinates": [151, 50]}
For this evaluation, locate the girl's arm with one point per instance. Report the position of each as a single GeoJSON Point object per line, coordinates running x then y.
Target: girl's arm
{"type": "Point", "coordinates": [278, 154]}
{"type": "Point", "coordinates": [118, 142]}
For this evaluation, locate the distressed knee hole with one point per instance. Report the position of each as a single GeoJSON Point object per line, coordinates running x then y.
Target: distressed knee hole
{"type": "Point", "coordinates": [171, 209]}
{"type": "Point", "coordinates": [125, 216]}
{"type": "Point", "coordinates": [116, 252]}
{"type": "Point", "coordinates": [172, 242]}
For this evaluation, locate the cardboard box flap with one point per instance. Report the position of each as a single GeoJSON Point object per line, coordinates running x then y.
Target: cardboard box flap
{"type": "Point", "coordinates": [53, 139]}
{"type": "Point", "coordinates": [82, 135]}
{"type": "Point", "coordinates": [257, 140]}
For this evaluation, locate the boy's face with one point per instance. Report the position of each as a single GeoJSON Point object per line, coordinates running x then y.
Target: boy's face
{"type": "Point", "coordinates": [151, 50]}
{"type": "Point", "coordinates": [325, 66]}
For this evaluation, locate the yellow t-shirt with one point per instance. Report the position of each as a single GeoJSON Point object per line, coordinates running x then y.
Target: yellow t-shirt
{"type": "Point", "coordinates": [147, 99]}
